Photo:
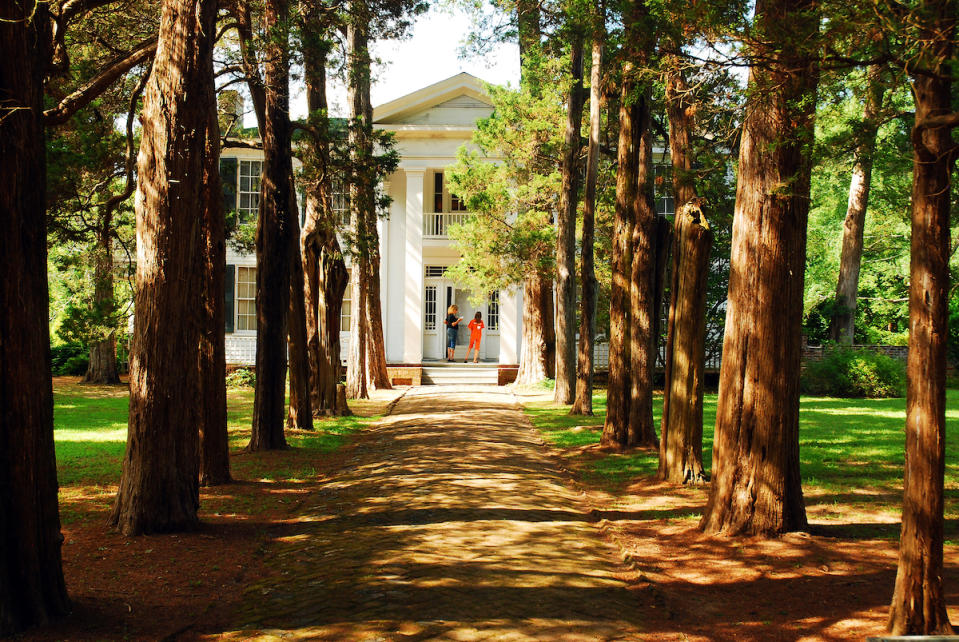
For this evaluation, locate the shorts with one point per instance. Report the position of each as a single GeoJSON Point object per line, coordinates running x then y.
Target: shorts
{"type": "Point", "coordinates": [475, 341]}
{"type": "Point", "coordinates": [451, 338]}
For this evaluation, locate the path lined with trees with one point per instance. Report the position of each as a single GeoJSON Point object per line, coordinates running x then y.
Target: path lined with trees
{"type": "Point", "coordinates": [450, 520]}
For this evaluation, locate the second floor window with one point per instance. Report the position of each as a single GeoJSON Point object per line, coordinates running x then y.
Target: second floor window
{"type": "Point", "coordinates": [248, 202]}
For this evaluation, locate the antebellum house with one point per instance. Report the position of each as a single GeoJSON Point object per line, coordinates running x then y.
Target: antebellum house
{"type": "Point", "coordinates": [429, 125]}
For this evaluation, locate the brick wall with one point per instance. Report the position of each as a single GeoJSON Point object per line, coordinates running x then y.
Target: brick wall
{"type": "Point", "coordinates": [405, 375]}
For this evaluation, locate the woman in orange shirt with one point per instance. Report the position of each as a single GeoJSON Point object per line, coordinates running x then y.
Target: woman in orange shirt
{"type": "Point", "coordinates": [476, 333]}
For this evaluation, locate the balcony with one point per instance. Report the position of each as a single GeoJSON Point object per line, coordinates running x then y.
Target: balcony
{"type": "Point", "coordinates": [435, 225]}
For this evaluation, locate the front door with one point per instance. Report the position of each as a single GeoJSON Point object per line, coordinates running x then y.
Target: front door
{"type": "Point", "coordinates": [466, 310]}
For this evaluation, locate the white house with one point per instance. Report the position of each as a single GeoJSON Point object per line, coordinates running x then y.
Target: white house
{"type": "Point", "coordinates": [430, 125]}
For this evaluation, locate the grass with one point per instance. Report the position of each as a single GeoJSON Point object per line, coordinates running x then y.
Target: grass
{"type": "Point", "coordinates": [851, 450]}
{"type": "Point", "coordinates": [90, 430]}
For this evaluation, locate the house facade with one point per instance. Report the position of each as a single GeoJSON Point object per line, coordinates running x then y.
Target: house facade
{"type": "Point", "coordinates": [429, 126]}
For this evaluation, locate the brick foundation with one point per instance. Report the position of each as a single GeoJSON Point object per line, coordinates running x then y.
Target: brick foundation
{"type": "Point", "coordinates": [405, 375]}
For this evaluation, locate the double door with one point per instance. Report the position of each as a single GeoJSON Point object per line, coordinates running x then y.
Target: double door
{"type": "Point", "coordinates": [439, 296]}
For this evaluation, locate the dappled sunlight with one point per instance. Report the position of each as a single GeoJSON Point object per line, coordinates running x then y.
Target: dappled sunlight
{"type": "Point", "coordinates": [91, 436]}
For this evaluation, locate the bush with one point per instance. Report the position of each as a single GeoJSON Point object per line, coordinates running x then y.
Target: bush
{"type": "Point", "coordinates": [69, 359]}
{"type": "Point", "coordinates": [845, 372]}
{"type": "Point", "coordinates": [241, 378]}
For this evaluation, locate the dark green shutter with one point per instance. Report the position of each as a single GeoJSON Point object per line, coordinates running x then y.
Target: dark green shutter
{"type": "Point", "coordinates": [229, 296]}
{"type": "Point", "coordinates": [228, 177]}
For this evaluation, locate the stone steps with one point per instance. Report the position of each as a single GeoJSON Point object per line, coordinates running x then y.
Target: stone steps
{"type": "Point", "coordinates": [459, 374]}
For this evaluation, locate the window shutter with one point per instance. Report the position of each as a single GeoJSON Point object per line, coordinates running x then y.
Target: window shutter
{"type": "Point", "coordinates": [438, 192]}
{"type": "Point", "coordinates": [229, 296]}
{"type": "Point", "coordinates": [228, 170]}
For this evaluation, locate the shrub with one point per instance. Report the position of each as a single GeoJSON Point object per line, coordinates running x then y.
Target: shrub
{"type": "Point", "coordinates": [845, 372]}
{"type": "Point", "coordinates": [69, 359]}
{"type": "Point", "coordinates": [241, 378]}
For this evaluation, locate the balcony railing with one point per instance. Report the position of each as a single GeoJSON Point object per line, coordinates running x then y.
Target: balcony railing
{"type": "Point", "coordinates": [436, 225]}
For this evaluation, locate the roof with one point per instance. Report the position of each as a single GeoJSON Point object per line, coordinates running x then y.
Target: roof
{"type": "Point", "coordinates": [454, 87]}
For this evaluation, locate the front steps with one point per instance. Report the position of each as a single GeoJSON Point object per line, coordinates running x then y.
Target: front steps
{"type": "Point", "coordinates": [444, 373]}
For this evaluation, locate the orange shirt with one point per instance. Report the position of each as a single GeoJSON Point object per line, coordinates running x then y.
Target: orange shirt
{"type": "Point", "coordinates": [476, 328]}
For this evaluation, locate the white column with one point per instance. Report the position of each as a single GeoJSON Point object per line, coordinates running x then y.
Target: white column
{"type": "Point", "coordinates": [413, 299]}
{"type": "Point", "coordinates": [510, 325]}
{"type": "Point", "coordinates": [385, 231]}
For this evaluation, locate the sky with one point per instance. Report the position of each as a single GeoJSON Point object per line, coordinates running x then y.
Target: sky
{"type": "Point", "coordinates": [429, 56]}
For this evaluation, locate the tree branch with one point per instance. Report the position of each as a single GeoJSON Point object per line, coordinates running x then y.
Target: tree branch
{"type": "Point", "coordinates": [99, 83]}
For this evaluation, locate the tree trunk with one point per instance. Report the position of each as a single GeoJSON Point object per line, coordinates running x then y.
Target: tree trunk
{"type": "Point", "coordinates": [361, 197]}
{"type": "Point", "coordinates": [32, 590]}
{"type": "Point", "coordinates": [214, 438]}
{"type": "Point", "coordinates": [159, 487]}
{"type": "Point", "coordinates": [103, 354]}
{"type": "Point", "coordinates": [616, 429]}
{"type": "Point", "coordinates": [843, 323]}
{"type": "Point", "coordinates": [756, 484]}
{"type": "Point", "coordinates": [681, 440]}
{"type": "Point", "coordinates": [335, 279]}
{"type": "Point", "coordinates": [565, 389]}
{"type": "Point", "coordinates": [376, 345]}
{"type": "Point", "coordinates": [642, 294]}
{"type": "Point", "coordinates": [275, 239]}
{"type": "Point", "coordinates": [918, 605]}
{"type": "Point", "coordinates": [319, 231]}
{"type": "Point", "coordinates": [369, 320]}
{"type": "Point", "coordinates": [583, 404]}
{"type": "Point", "coordinates": [534, 354]}
{"type": "Point", "coordinates": [299, 416]}
{"type": "Point", "coordinates": [681, 429]}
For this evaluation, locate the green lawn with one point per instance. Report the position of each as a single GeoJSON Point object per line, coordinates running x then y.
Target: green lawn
{"type": "Point", "coordinates": [851, 450]}
{"type": "Point", "coordinates": [90, 429]}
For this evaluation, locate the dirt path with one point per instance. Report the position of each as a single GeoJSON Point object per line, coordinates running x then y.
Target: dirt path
{"type": "Point", "coordinates": [448, 520]}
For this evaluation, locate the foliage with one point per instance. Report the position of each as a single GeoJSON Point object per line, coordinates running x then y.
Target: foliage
{"type": "Point", "coordinates": [882, 311]}
{"type": "Point", "coordinates": [510, 234]}
{"type": "Point", "coordinates": [952, 345]}
{"type": "Point", "coordinates": [241, 378]}
{"type": "Point", "coordinates": [69, 359]}
{"type": "Point", "coordinates": [848, 372]}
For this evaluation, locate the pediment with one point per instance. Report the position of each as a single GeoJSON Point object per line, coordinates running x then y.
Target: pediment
{"type": "Point", "coordinates": [459, 100]}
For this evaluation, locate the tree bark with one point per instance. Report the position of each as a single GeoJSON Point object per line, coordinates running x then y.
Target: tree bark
{"type": "Point", "coordinates": [335, 279]}
{"type": "Point", "coordinates": [368, 320]}
{"type": "Point", "coordinates": [214, 438]}
{"type": "Point", "coordinates": [681, 440]}
{"type": "Point", "coordinates": [300, 415]}
{"type": "Point", "coordinates": [616, 428]}
{"type": "Point", "coordinates": [756, 484]}
{"type": "Point", "coordinates": [642, 294]}
{"type": "Point", "coordinates": [103, 354]}
{"type": "Point", "coordinates": [32, 589]}
{"type": "Point", "coordinates": [583, 404]}
{"type": "Point", "coordinates": [376, 345]}
{"type": "Point", "coordinates": [843, 323]}
{"type": "Point", "coordinates": [159, 487]}
{"type": "Point", "coordinates": [361, 197]}
{"type": "Point", "coordinates": [324, 283]}
{"type": "Point", "coordinates": [275, 238]}
{"type": "Point", "coordinates": [918, 604]}
{"type": "Point", "coordinates": [534, 354]}
{"type": "Point", "coordinates": [681, 429]}
{"type": "Point", "coordinates": [565, 389]}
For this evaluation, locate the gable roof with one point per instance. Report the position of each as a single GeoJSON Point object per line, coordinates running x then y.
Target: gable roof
{"type": "Point", "coordinates": [461, 90]}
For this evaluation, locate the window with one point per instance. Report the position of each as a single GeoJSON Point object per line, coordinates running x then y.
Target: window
{"type": "Point", "coordinates": [662, 190]}
{"type": "Point", "coordinates": [347, 304]}
{"type": "Point", "coordinates": [249, 192]}
{"type": "Point", "coordinates": [246, 298]}
{"type": "Point", "coordinates": [438, 192]}
{"type": "Point", "coordinates": [492, 311]}
{"type": "Point", "coordinates": [456, 204]}
{"type": "Point", "coordinates": [430, 307]}
{"type": "Point", "coordinates": [435, 271]}
{"type": "Point", "coordinates": [341, 202]}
